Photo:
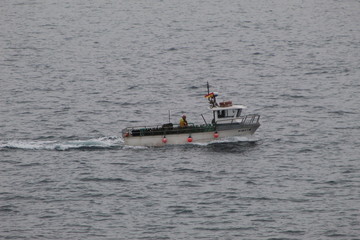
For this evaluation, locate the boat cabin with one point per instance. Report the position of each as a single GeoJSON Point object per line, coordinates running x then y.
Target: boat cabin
{"type": "Point", "coordinates": [227, 113]}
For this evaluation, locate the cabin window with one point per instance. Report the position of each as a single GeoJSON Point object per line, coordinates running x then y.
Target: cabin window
{"type": "Point", "coordinates": [222, 114]}
{"type": "Point", "coordinates": [238, 113]}
{"type": "Point", "coordinates": [232, 113]}
{"type": "Point", "coordinates": [229, 113]}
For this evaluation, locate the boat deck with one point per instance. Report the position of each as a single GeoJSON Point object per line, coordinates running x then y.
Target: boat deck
{"type": "Point", "coordinates": [167, 129]}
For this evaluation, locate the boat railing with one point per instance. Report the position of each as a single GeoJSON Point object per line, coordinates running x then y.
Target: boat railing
{"type": "Point", "coordinates": [157, 126]}
{"type": "Point", "coordinates": [246, 120]}
{"type": "Point", "coordinates": [251, 119]}
{"type": "Point", "coordinates": [165, 129]}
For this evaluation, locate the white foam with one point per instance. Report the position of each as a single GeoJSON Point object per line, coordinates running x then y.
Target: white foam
{"type": "Point", "coordinates": [135, 147]}
{"type": "Point", "coordinates": [228, 140]}
{"type": "Point", "coordinates": [103, 142]}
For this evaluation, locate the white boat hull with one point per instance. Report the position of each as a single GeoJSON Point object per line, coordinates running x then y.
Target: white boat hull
{"type": "Point", "coordinates": [183, 138]}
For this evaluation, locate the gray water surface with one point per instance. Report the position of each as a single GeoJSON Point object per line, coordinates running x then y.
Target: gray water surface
{"type": "Point", "coordinates": [74, 73]}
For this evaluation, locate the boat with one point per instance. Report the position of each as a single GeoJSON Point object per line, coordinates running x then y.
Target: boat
{"type": "Point", "coordinates": [227, 121]}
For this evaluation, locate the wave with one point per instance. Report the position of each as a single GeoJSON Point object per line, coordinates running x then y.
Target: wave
{"type": "Point", "coordinates": [87, 144]}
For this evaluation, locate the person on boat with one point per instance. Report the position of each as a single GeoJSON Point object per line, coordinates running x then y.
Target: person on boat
{"type": "Point", "coordinates": [183, 122]}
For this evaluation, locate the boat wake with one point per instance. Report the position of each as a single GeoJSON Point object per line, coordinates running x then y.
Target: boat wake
{"type": "Point", "coordinates": [231, 145]}
{"type": "Point", "coordinates": [86, 144]}
{"type": "Point", "coordinates": [231, 142]}
{"type": "Point", "coordinates": [236, 139]}
{"type": "Point", "coordinates": [99, 144]}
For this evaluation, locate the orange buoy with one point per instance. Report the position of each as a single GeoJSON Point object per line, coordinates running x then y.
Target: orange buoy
{"type": "Point", "coordinates": [216, 135]}
{"type": "Point", "coordinates": [164, 140]}
{"type": "Point", "coordinates": [189, 139]}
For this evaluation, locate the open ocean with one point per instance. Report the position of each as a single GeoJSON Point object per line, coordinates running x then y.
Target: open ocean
{"type": "Point", "coordinates": [74, 73]}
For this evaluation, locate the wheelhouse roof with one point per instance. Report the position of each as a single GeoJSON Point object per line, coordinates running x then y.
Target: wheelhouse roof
{"type": "Point", "coordinates": [233, 107]}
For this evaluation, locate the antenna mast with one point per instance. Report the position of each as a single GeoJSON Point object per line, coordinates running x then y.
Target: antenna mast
{"type": "Point", "coordinates": [211, 96]}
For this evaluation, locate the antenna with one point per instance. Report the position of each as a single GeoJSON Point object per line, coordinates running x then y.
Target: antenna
{"type": "Point", "coordinates": [212, 101]}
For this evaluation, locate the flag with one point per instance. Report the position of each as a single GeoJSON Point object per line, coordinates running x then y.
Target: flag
{"type": "Point", "coordinates": [210, 95]}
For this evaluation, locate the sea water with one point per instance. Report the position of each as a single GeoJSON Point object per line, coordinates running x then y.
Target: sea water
{"type": "Point", "coordinates": [74, 73]}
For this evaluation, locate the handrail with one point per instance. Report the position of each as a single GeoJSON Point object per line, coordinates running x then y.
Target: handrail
{"type": "Point", "coordinates": [156, 126]}
{"type": "Point", "coordinates": [251, 119]}
{"type": "Point", "coordinates": [164, 130]}
{"type": "Point", "coordinates": [248, 119]}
